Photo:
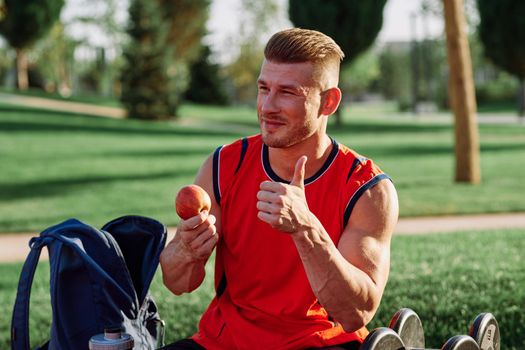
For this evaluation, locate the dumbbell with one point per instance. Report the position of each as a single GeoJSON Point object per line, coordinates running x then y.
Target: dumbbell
{"type": "Point", "coordinates": [405, 332]}
{"type": "Point", "coordinates": [484, 330]}
{"type": "Point", "coordinates": [407, 326]}
{"type": "Point", "coordinates": [384, 338]}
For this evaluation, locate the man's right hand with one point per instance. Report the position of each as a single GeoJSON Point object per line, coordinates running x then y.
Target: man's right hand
{"type": "Point", "coordinates": [197, 236]}
{"type": "Point", "coordinates": [182, 261]}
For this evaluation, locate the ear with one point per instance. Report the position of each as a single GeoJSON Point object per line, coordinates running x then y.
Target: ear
{"type": "Point", "coordinates": [330, 101]}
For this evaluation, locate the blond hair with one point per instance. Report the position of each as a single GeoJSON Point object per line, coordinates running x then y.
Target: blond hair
{"type": "Point", "coordinates": [302, 45]}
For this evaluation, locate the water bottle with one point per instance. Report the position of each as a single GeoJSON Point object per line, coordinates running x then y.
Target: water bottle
{"type": "Point", "coordinates": [112, 339]}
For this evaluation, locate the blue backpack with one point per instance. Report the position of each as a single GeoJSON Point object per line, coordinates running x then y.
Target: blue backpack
{"type": "Point", "coordinates": [99, 279]}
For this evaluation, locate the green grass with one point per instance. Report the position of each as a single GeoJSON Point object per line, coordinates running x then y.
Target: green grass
{"type": "Point", "coordinates": [419, 156]}
{"type": "Point", "coordinates": [448, 279]}
{"type": "Point", "coordinates": [57, 165]}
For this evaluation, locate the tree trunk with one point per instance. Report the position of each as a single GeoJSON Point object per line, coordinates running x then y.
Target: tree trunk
{"type": "Point", "coordinates": [21, 69]}
{"type": "Point", "coordinates": [461, 93]}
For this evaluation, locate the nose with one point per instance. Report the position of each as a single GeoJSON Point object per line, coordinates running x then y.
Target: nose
{"type": "Point", "coordinates": [268, 103]}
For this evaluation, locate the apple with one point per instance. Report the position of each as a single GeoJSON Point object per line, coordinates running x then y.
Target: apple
{"type": "Point", "coordinates": [191, 200]}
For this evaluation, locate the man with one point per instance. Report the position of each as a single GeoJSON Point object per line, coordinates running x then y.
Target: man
{"type": "Point", "coordinates": [302, 224]}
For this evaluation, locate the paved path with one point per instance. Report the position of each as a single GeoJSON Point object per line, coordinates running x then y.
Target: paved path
{"type": "Point", "coordinates": [63, 106]}
{"type": "Point", "coordinates": [14, 247]}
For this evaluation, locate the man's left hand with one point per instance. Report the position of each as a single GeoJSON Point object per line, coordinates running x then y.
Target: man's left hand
{"type": "Point", "coordinates": [284, 206]}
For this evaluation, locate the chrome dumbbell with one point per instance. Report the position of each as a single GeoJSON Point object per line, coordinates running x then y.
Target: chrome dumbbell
{"type": "Point", "coordinates": [405, 332]}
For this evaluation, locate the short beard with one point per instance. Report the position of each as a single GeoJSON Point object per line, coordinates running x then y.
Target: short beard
{"type": "Point", "coordinates": [293, 137]}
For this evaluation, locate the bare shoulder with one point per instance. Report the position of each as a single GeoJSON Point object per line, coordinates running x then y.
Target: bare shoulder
{"type": "Point", "coordinates": [376, 212]}
{"type": "Point", "coordinates": [365, 241]}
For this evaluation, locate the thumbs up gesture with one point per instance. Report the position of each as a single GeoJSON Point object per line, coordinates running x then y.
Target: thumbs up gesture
{"type": "Point", "coordinates": [284, 206]}
{"type": "Point", "coordinates": [298, 175]}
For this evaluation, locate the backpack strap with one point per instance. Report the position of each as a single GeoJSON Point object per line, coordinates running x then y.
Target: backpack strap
{"type": "Point", "coordinates": [20, 320]}
{"type": "Point", "coordinates": [93, 265]}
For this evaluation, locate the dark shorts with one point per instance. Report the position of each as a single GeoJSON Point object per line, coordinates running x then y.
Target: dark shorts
{"type": "Point", "coordinates": [184, 344]}
{"type": "Point", "coordinates": [190, 344]}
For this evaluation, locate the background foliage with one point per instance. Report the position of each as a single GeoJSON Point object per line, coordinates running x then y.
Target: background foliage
{"type": "Point", "coordinates": [26, 21]}
{"type": "Point", "coordinates": [504, 40]}
{"type": "Point", "coordinates": [147, 86]}
{"type": "Point", "coordinates": [22, 23]}
{"type": "Point", "coordinates": [353, 24]}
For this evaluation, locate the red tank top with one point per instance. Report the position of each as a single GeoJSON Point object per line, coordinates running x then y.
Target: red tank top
{"type": "Point", "coordinates": [264, 299]}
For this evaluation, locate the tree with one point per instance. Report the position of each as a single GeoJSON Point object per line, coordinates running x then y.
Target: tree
{"type": "Point", "coordinates": [462, 94]}
{"type": "Point", "coordinates": [259, 18]}
{"type": "Point", "coordinates": [502, 32]}
{"type": "Point", "coordinates": [206, 85]}
{"type": "Point", "coordinates": [243, 72]}
{"type": "Point", "coordinates": [146, 80]}
{"type": "Point", "coordinates": [353, 24]}
{"type": "Point", "coordinates": [394, 76]}
{"type": "Point", "coordinates": [186, 21]}
{"type": "Point", "coordinates": [187, 25]}
{"type": "Point", "coordinates": [165, 37]}
{"type": "Point", "coordinates": [359, 77]}
{"type": "Point", "coordinates": [101, 60]}
{"type": "Point", "coordinates": [54, 57]}
{"type": "Point", "coordinates": [22, 23]}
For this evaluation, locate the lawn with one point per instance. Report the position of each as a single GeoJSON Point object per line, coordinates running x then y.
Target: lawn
{"type": "Point", "coordinates": [57, 165]}
{"type": "Point", "coordinates": [448, 279]}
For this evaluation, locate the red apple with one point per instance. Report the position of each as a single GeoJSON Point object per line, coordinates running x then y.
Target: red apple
{"type": "Point", "coordinates": [191, 200]}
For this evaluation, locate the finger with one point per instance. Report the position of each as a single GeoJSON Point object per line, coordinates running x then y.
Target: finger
{"type": "Point", "coordinates": [264, 216]}
{"type": "Point", "coordinates": [212, 219]}
{"type": "Point", "coordinates": [194, 221]}
{"type": "Point", "coordinates": [202, 237]}
{"type": "Point", "coordinates": [189, 235]}
{"type": "Point", "coordinates": [266, 196]}
{"type": "Point", "coordinates": [267, 207]}
{"type": "Point", "coordinates": [207, 247]}
{"type": "Point", "coordinates": [270, 219]}
{"type": "Point", "coordinates": [271, 186]}
{"type": "Point", "coordinates": [298, 175]}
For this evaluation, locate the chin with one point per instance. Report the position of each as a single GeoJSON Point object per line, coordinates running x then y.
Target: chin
{"type": "Point", "coordinates": [286, 139]}
{"type": "Point", "coordinates": [277, 142]}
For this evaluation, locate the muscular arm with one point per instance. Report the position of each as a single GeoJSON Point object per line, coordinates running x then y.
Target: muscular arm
{"type": "Point", "coordinates": [183, 260]}
{"type": "Point", "coordinates": [348, 280]}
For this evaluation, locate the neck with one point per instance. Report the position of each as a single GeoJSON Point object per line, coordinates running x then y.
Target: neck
{"type": "Point", "coordinates": [317, 149]}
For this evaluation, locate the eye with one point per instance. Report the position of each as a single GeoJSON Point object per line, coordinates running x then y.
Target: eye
{"type": "Point", "coordinates": [262, 88]}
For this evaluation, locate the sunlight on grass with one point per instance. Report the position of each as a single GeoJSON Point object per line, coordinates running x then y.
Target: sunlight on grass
{"type": "Point", "coordinates": [58, 165]}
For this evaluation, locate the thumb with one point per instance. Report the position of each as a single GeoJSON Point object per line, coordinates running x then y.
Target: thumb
{"type": "Point", "coordinates": [298, 175]}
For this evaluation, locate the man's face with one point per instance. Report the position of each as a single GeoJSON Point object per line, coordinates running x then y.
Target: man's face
{"type": "Point", "coordinates": [288, 102]}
